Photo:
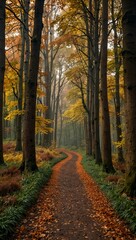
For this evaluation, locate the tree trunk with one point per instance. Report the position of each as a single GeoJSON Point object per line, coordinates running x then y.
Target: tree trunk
{"type": "Point", "coordinates": [27, 43]}
{"type": "Point", "coordinates": [89, 96]}
{"type": "Point", "coordinates": [56, 109]}
{"type": "Point", "coordinates": [98, 158]}
{"type": "Point", "coordinates": [117, 93]}
{"type": "Point", "coordinates": [27, 58]}
{"type": "Point", "coordinates": [106, 137]}
{"type": "Point", "coordinates": [20, 92]}
{"type": "Point", "coordinates": [2, 71]}
{"type": "Point", "coordinates": [29, 152]}
{"type": "Point", "coordinates": [61, 127]}
{"type": "Point", "coordinates": [47, 139]}
{"type": "Point", "coordinates": [129, 62]}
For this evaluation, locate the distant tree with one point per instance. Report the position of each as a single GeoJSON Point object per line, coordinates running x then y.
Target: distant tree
{"type": "Point", "coordinates": [2, 71]}
{"type": "Point", "coordinates": [49, 55]}
{"type": "Point", "coordinates": [129, 62]}
{"type": "Point", "coordinates": [29, 154]}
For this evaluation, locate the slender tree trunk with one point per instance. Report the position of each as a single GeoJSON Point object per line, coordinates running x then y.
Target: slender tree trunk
{"type": "Point", "coordinates": [88, 24]}
{"type": "Point", "coordinates": [61, 127]}
{"type": "Point", "coordinates": [47, 139]}
{"type": "Point", "coordinates": [27, 59]}
{"type": "Point", "coordinates": [106, 137]}
{"type": "Point", "coordinates": [29, 152]}
{"type": "Point", "coordinates": [89, 81]}
{"type": "Point", "coordinates": [89, 117]}
{"type": "Point", "coordinates": [56, 108]}
{"type": "Point", "coordinates": [117, 96]}
{"type": "Point", "coordinates": [96, 94]}
{"type": "Point", "coordinates": [20, 92]}
{"type": "Point", "coordinates": [92, 117]}
{"type": "Point", "coordinates": [27, 42]}
{"type": "Point", "coordinates": [129, 61]}
{"type": "Point", "coordinates": [2, 71]}
{"type": "Point", "coordinates": [55, 121]}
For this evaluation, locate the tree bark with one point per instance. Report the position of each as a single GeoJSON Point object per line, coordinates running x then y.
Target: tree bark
{"type": "Point", "coordinates": [98, 158]}
{"type": "Point", "coordinates": [88, 24]}
{"type": "Point", "coordinates": [129, 62]}
{"type": "Point", "coordinates": [27, 58]}
{"type": "Point", "coordinates": [61, 126]}
{"type": "Point", "coordinates": [27, 43]}
{"type": "Point", "coordinates": [29, 152]}
{"type": "Point", "coordinates": [57, 106]}
{"type": "Point", "coordinates": [106, 137]}
{"type": "Point", "coordinates": [20, 91]}
{"type": "Point", "coordinates": [117, 93]}
{"type": "Point", "coordinates": [48, 63]}
{"type": "Point", "coordinates": [47, 137]}
{"type": "Point", "coordinates": [2, 71]}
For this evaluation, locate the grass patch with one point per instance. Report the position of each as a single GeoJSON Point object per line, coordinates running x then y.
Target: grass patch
{"type": "Point", "coordinates": [111, 185]}
{"type": "Point", "coordinates": [18, 192]}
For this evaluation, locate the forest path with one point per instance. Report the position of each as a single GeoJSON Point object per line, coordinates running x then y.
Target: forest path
{"type": "Point", "coordinates": [64, 210]}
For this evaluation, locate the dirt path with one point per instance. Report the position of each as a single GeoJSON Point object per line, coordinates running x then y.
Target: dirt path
{"type": "Point", "coordinates": [64, 210]}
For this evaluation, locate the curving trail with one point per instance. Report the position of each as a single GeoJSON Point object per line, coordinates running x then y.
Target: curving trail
{"type": "Point", "coordinates": [65, 209]}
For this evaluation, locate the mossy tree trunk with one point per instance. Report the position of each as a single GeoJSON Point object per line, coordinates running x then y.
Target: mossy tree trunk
{"type": "Point", "coordinates": [129, 62]}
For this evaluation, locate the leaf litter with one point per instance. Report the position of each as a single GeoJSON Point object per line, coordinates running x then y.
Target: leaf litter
{"type": "Point", "coordinates": [69, 208]}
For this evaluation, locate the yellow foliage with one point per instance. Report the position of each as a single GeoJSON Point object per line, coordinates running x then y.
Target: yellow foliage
{"type": "Point", "coordinates": [14, 157]}
{"type": "Point", "coordinates": [42, 125]}
{"type": "Point", "coordinates": [41, 107]}
{"type": "Point", "coordinates": [11, 105]}
{"type": "Point", "coordinates": [75, 112]}
{"type": "Point", "coordinates": [45, 154]}
{"type": "Point", "coordinates": [14, 113]}
{"type": "Point", "coordinates": [42, 154]}
{"type": "Point", "coordinates": [40, 92]}
{"type": "Point", "coordinates": [119, 144]}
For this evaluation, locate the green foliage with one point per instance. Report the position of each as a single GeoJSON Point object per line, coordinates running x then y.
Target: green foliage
{"type": "Point", "coordinates": [31, 186]}
{"type": "Point", "coordinates": [125, 207]}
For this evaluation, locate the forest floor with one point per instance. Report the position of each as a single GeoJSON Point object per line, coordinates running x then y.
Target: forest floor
{"type": "Point", "coordinates": [71, 207]}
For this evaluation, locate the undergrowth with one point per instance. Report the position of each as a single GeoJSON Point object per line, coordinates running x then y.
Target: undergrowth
{"type": "Point", "coordinates": [124, 206]}
{"type": "Point", "coordinates": [18, 202]}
